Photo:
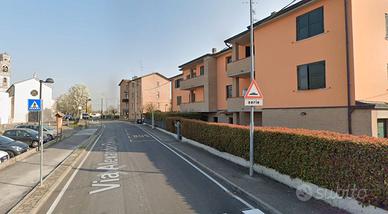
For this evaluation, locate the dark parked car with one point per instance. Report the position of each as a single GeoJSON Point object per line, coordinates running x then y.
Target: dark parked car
{"type": "Point", "coordinates": [46, 130]}
{"type": "Point", "coordinates": [24, 135]}
{"type": "Point", "coordinates": [12, 147]}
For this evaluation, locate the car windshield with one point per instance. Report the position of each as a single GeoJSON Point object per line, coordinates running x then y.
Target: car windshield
{"type": "Point", "coordinates": [4, 139]}
{"type": "Point", "coordinates": [32, 132]}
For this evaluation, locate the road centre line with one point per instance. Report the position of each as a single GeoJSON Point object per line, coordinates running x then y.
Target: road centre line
{"type": "Point", "coordinates": [60, 195]}
{"type": "Point", "coordinates": [198, 169]}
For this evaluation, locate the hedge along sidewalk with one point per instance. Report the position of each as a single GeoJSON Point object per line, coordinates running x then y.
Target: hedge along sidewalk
{"type": "Point", "coordinates": [322, 162]}
{"type": "Point", "coordinates": [32, 202]}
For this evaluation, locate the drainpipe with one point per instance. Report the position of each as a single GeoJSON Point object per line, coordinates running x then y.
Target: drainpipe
{"type": "Point", "coordinates": [348, 69]}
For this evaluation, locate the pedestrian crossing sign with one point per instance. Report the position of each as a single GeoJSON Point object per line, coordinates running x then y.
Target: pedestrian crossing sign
{"type": "Point", "coordinates": [34, 105]}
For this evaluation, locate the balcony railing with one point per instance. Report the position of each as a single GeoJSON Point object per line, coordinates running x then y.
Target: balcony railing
{"type": "Point", "coordinates": [193, 82]}
{"type": "Point", "coordinates": [239, 68]}
{"type": "Point", "coordinates": [194, 107]}
{"type": "Point", "coordinates": [125, 100]}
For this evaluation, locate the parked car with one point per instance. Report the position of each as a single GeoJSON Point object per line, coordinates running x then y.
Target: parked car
{"type": "Point", "coordinates": [140, 121]}
{"type": "Point", "coordinates": [85, 116]}
{"type": "Point", "coordinates": [28, 136]}
{"type": "Point", "coordinates": [46, 130]}
{"type": "Point", "coordinates": [4, 156]}
{"type": "Point", "coordinates": [12, 147]}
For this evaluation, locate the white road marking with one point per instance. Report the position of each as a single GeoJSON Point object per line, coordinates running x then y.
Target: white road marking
{"type": "Point", "coordinates": [60, 195]}
{"type": "Point", "coordinates": [198, 169]}
{"type": "Point", "coordinates": [253, 211]}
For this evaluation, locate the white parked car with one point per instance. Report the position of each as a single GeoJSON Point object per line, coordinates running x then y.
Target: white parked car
{"type": "Point", "coordinates": [3, 156]}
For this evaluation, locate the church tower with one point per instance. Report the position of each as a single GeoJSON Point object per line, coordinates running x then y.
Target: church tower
{"type": "Point", "coordinates": [5, 71]}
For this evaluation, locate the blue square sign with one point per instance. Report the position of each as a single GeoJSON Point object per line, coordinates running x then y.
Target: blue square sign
{"type": "Point", "coordinates": [34, 105]}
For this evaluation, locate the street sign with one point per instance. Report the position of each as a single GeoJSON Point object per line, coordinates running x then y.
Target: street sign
{"type": "Point", "coordinates": [254, 96]}
{"type": "Point", "coordinates": [34, 105]}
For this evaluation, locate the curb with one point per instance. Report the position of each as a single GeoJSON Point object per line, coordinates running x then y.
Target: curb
{"type": "Point", "coordinates": [347, 204]}
{"type": "Point", "coordinates": [30, 152]}
{"type": "Point", "coordinates": [33, 201]}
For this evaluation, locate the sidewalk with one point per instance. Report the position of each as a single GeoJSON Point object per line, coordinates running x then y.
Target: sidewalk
{"type": "Point", "coordinates": [271, 195]}
{"type": "Point", "coordinates": [17, 180]}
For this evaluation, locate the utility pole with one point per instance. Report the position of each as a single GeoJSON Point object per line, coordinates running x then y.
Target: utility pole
{"type": "Point", "coordinates": [252, 123]}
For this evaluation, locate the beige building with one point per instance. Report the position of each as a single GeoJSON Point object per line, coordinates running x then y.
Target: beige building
{"type": "Point", "coordinates": [321, 64]}
{"type": "Point", "coordinates": [142, 94]}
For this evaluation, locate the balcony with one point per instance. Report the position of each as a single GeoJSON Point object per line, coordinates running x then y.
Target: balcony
{"type": "Point", "coordinates": [236, 104]}
{"type": "Point", "coordinates": [239, 68]}
{"type": "Point", "coordinates": [125, 100]}
{"type": "Point", "coordinates": [194, 107]}
{"type": "Point", "coordinates": [193, 83]}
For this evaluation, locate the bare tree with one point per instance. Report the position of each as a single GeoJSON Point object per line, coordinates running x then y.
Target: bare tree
{"type": "Point", "coordinates": [76, 97]}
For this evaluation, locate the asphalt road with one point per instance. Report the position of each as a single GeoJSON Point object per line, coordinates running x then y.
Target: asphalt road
{"type": "Point", "coordinates": [129, 171]}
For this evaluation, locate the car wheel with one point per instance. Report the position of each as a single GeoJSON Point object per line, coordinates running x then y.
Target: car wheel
{"type": "Point", "coordinates": [34, 144]}
{"type": "Point", "coordinates": [50, 137]}
{"type": "Point", "coordinates": [11, 154]}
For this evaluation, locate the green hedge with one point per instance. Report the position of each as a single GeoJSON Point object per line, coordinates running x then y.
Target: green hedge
{"type": "Point", "coordinates": [162, 116]}
{"type": "Point", "coordinates": [331, 160]}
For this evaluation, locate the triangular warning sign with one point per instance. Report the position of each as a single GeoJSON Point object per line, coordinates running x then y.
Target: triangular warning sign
{"type": "Point", "coordinates": [254, 91]}
{"type": "Point", "coordinates": [34, 106]}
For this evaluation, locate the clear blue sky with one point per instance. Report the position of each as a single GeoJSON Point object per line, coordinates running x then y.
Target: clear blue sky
{"type": "Point", "coordinates": [99, 42]}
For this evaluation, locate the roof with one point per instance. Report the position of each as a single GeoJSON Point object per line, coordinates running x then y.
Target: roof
{"type": "Point", "coordinates": [146, 75]}
{"type": "Point", "coordinates": [371, 105]}
{"type": "Point", "coordinates": [178, 75]}
{"type": "Point", "coordinates": [123, 80]}
{"type": "Point", "coordinates": [22, 81]}
{"type": "Point", "coordinates": [154, 73]}
{"type": "Point", "coordinates": [197, 60]}
{"type": "Point", "coordinates": [272, 17]}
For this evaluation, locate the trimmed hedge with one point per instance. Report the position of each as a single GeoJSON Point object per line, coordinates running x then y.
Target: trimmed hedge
{"type": "Point", "coordinates": [330, 160]}
{"type": "Point", "coordinates": [162, 116]}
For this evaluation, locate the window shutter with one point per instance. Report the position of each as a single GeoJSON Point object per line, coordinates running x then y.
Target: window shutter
{"type": "Point", "coordinates": [317, 75]}
{"type": "Point", "coordinates": [302, 77]}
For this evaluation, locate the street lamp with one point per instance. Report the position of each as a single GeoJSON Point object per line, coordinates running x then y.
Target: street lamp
{"type": "Point", "coordinates": [49, 81]}
{"type": "Point", "coordinates": [87, 104]}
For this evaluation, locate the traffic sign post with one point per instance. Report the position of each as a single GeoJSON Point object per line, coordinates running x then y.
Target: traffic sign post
{"type": "Point", "coordinates": [34, 105]}
{"type": "Point", "coordinates": [254, 97]}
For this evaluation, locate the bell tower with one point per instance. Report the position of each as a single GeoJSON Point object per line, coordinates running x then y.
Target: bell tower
{"type": "Point", "coordinates": [5, 72]}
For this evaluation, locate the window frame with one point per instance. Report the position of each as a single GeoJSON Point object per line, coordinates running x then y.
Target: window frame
{"type": "Point", "coordinates": [227, 91]}
{"type": "Point", "coordinates": [178, 100]}
{"type": "Point", "coordinates": [201, 70]}
{"type": "Point", "coordinates": [309, 87]}
{"type": "Point", "coordinates": [386, 26]}
{"type": "Point", "coordinates": [178, 83]}
{"type": "Point", "coordinates": [307, 15]}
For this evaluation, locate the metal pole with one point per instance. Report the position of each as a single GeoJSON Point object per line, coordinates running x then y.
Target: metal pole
{"type": "Point", "coordinates": [252, 123]}
{"type": "Point", "coordinates": [41, 132]}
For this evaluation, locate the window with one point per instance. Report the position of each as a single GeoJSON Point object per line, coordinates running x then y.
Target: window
{"type": "Point", "coordinates": [382, 128]}
{"type": "Point", "coordinates": [179, 100]}
{"type": "Point", "coordinates": [5, 81]}
{"type": "Point", "coordinates": [125, 95]}
{"type": "Point", "coordinates": [312, 76]}
{"type": "Point", "coordinates": [310, 24]}
{"type": "Point", "coordinates": [158, 94]}
{"type": "Point", "coordinates": [247, 51]}
{"type": "Point", "coordinates": [157, 84]}
{"type": "Point", "coordinates": [178, 83]}
{"type": "Point", "coordinates": [228, 59]}
{"type": "Point", "coordinates": [386, 26]}
{"type": "Point", "coordinates": [228, 91]}
{"type": "Point", "coordinates": [202, 70]}
{"type": "Point", "coordinates": [192, 97]}
{"type": "Point", "coordinates": [193, 73]}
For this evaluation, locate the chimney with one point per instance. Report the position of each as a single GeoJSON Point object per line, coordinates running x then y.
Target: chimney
{"type": "Point", "coordinates": [214, 50]}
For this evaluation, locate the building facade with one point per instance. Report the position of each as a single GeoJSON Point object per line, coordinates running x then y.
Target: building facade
{"type": "Point", "coordinates": [20, 92]}
{"type": "Point", "coordinates": [143, 94]}
{"type": "Point", "coordinates": [321, 64]}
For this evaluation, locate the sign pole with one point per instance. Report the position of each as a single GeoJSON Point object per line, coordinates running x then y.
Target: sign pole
{"type": "Point", "coordinates": [41, 134]}
{"type": "Point", "coordinates": [252, 123]}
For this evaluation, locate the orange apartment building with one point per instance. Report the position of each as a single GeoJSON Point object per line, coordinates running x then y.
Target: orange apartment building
{"type": "Point", "coordinates": [321, 64]}
{"type": "Point", "coordinates": [140, 93]}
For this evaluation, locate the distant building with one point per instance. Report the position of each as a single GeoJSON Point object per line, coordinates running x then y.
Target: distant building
{"type": "Point", "coordinates": [5, 77]}
{"type": "Point", "coordinates": [139, 95]}
{"type": "Point", "coordinates": [20, 92]}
